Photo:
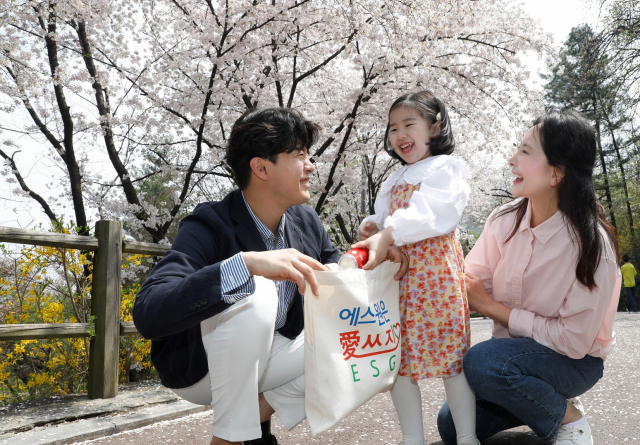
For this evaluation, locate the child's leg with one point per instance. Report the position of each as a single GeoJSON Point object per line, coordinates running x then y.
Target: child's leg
{"type": "Point", "coordinates": [406, 398]}
{"type": "Point", "coordinates": [462, 403]}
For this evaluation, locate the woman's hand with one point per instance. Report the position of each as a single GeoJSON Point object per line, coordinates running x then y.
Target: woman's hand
{"type": "Point", "coordinates": [367, 230]}
{"type": "Point", "coordinates": [378, 246]}
{"type": "Point", "coordinates": [481, 301]}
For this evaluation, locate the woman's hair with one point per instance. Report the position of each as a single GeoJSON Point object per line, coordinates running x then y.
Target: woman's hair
{"type": "Point", "coordinates": [569, 142]}
{"type": "Point", "coordinates": [428, 106]}
{"type": "Point", "coordinates": [265, 134]}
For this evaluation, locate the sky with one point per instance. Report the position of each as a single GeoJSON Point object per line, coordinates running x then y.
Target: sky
{"type": "Point", "coordinates": [555, 16]}
{"type": "Point", "coordinates": [559, 16]}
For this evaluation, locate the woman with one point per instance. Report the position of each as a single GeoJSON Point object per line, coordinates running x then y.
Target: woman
{"type": "Point", "coordinates": [545, 270]}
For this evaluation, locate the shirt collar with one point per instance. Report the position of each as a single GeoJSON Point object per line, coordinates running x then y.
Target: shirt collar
{"type": "Point", "coordinates": [543, 232]}
{"type": "Point", "coordinates": [265, 233]}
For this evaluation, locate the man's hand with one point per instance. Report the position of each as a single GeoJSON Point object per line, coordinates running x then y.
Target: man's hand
{"type": "Point", "coordinates": [395, 255]}
{"type": "Point", "coordinates": [367, 230]}
{"type": "Point", "coordinates": [284, 264]}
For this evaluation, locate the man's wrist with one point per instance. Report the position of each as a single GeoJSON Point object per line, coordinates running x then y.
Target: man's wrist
{"type": "Point", "coordinates": [247, 257]}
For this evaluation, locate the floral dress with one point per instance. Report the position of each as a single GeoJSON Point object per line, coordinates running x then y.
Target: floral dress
{"type": "Point", "coordinates": [434, 313]}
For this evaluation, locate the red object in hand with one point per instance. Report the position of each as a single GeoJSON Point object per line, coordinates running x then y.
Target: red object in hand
{"type": "Point", "coordinates": [354, 259]}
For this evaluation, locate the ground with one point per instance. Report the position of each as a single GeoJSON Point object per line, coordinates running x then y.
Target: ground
{"type": "Point", "coordinates": [613, 409]}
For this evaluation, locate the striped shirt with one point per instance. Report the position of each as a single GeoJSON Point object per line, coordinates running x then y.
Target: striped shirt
{"type": "Point", "coordinates": [238, 284]}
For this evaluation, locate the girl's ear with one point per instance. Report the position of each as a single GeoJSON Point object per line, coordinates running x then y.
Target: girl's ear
{"type": "Point", "coordinates": [558, 175]}
{"type": "Point", "coordinates": [259, 168]}
{"type": "Point", "coordinates": [435, 128]}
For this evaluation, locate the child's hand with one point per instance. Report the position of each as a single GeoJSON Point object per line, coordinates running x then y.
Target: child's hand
{"type": "Point", "coordinates": [395, 255]}
{"type": "Point", "coordinates": [367, 230]}
{"type": "Point", "coordinates": [378, 246]}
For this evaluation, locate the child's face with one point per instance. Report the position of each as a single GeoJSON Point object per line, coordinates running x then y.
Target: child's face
{"type": "Point", "coordinates": [409, 134]}
{"type": "Point", "coordinates": [535, 178]}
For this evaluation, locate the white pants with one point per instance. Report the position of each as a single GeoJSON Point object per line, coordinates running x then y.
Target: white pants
{"type": "Point", "coordinates": [246, 357]}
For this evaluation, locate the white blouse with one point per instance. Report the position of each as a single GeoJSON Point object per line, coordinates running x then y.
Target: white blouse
{"type": "Point", "coordinates": [434, 209]}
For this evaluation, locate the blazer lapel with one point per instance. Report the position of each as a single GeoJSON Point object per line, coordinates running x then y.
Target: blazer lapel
{"type": "Point", "coordinates": [293, 233]}
{"type": "Point", "coordinates": [246, 230]}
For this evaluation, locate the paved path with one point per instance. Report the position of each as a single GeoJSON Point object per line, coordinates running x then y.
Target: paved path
{"type": "Point", "coordinates": [613, 409]}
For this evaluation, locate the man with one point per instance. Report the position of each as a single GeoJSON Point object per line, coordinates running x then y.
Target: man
{"type": "Point", "coordinates": [221, 334]}
{"type": "Point", "coordinates": [629, 277]}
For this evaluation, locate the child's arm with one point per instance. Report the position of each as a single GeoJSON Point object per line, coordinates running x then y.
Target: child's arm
{"type": "Point", "coordinates": [367, 229]}
{"type": "Point", "coordinates": [374, 223]}
{"type": "Point", "coordinates": [378, 246]}
{"type": "Point", "coordinates": [435, 208]}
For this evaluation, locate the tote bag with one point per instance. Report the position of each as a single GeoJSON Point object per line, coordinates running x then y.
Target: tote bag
{"type": "Point", "coordinates": [352, 341]}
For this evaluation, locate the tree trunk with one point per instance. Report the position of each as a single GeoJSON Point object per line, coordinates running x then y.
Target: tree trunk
{"type": "Point", "coordinates": [624, 179]}
{"type": "Point", "coordinates": [607, 189]}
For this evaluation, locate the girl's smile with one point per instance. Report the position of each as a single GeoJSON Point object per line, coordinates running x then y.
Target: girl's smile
{"type": "Point", "coordinates": [409, 134]}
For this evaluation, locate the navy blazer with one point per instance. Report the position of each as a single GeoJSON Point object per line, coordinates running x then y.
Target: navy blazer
{"type": "Point", "coordinates": [184, 288]}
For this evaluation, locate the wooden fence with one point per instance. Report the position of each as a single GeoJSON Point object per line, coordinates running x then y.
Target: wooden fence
{"type": "Point", "coordinates": [108, 246]}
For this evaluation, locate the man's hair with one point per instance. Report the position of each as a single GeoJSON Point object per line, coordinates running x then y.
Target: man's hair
{"type": "Point", "coordinates": [265, 134]}
{"type": "Point", "coordinates": [625, 258]}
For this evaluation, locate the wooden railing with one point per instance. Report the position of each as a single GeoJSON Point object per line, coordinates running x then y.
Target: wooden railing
{"type": "Point", "coordinates": [108, 246]}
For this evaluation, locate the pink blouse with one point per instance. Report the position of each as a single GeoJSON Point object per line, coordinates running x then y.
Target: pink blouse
{"type": "Point", "coordinates": [534, 273]}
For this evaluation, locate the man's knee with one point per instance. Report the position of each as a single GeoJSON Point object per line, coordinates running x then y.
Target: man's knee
{"type": "Point", "coordinates": [256, 314]}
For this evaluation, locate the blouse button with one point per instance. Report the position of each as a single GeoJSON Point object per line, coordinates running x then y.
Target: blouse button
{"type": "Point", "coordinates": [517, 280]}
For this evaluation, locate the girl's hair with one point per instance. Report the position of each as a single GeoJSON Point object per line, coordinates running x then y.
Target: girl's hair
{"type": "Point", "coordinates": [569, 142]}
{"type": "Point", "coordinates": [428, 106]}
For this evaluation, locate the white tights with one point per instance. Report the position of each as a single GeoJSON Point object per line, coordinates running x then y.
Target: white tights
{"type": "Point", "coordinates": [462, 404]}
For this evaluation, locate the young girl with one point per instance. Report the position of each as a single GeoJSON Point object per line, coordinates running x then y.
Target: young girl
{"type": "Point", "coordinates": [418, 209]}
{"type": "Point", "coordinates": [545, 269]}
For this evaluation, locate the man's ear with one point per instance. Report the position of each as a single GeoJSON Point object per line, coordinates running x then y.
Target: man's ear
{"type": "Point", "coordinates": [558, 175]}
{"type": "Point", "coordinates": [259, 168]}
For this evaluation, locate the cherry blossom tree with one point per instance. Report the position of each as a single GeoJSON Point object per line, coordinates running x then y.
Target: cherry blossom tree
{"type": "Point", "coordinates": [129, 104]}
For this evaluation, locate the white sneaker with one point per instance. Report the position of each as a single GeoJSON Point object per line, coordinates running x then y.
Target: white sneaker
{"type": "Point", "coordinates": [574, 435]}
{"type": "Point", "coordinates": [575, 401]}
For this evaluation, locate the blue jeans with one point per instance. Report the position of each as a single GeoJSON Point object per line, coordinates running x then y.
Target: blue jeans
{"type": "Point", "coordinates": [631, 300]}
{"type": "Point", "coordinates": [518, 381]}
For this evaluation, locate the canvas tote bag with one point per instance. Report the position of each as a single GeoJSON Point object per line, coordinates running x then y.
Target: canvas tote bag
{"type": "Point", "coordinates": [352, 341]}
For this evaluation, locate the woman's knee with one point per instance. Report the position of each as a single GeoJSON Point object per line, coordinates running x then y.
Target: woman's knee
{"type": "Point", "coordinates": [477, 363]}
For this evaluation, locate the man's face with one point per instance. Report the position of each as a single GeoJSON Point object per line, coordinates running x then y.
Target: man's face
{"type": "Point", "coordinates": [290, 175]}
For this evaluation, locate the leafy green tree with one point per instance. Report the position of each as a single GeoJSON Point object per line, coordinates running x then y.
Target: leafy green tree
{"type": "Point", "coordinates": [583, 80]}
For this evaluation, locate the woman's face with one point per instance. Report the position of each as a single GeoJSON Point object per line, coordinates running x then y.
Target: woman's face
{"type": "Point", "coordinates": [534, 177]}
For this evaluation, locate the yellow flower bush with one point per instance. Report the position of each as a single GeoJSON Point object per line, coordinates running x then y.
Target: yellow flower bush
{"type": "Point", "coordinates": [53, 285]}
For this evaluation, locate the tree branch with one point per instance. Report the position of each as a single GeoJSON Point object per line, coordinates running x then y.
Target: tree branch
{"type": "Point", "coordinates": [25, 188]}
